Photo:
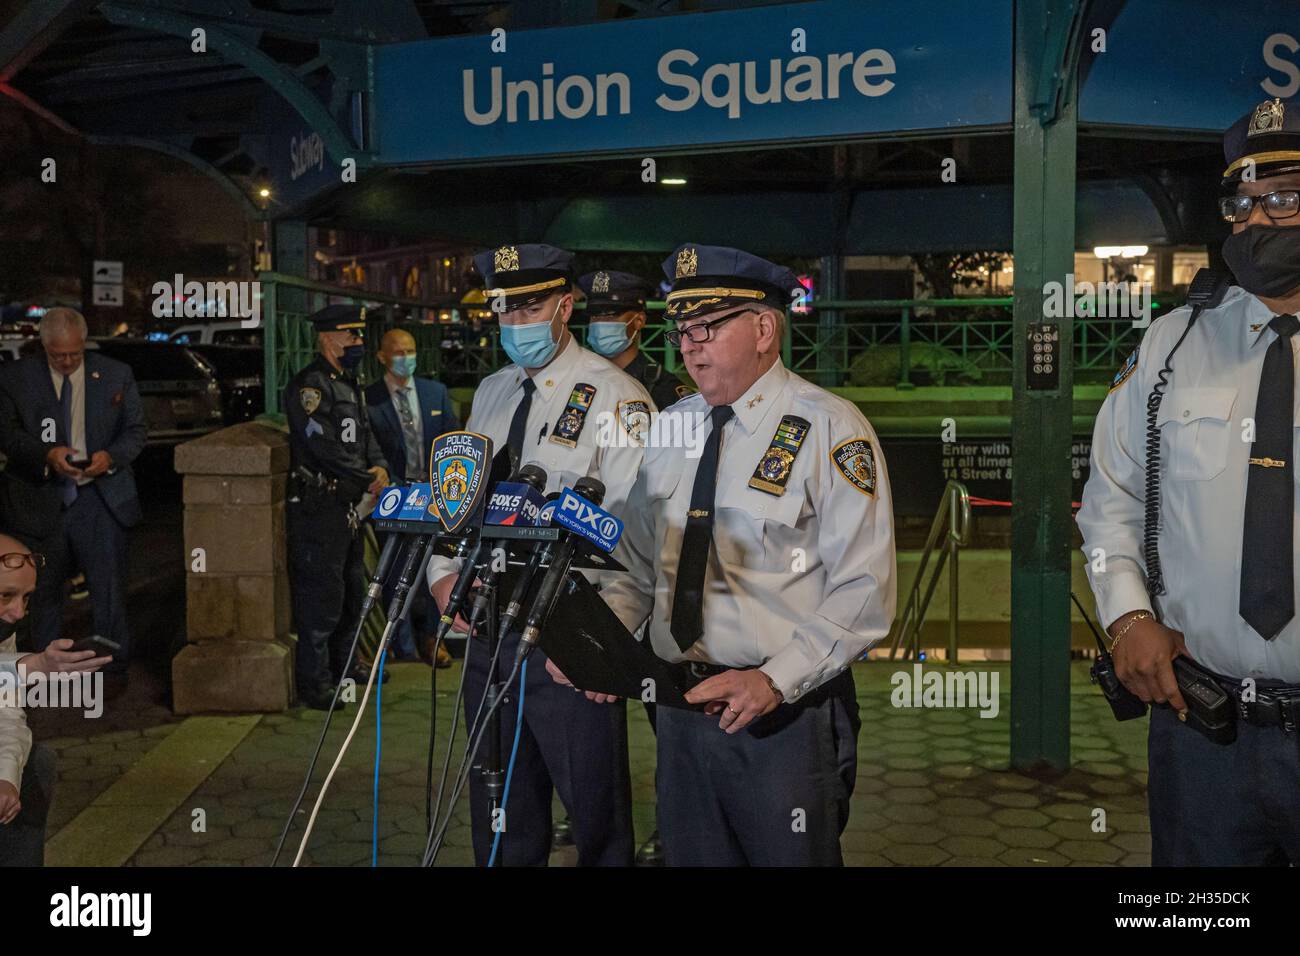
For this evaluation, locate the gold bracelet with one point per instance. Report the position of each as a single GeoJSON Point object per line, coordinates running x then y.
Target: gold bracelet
{"type": "Point", "coordinates": [1140, 616]}
{"type": "Point", "coordinates": [780, 697]}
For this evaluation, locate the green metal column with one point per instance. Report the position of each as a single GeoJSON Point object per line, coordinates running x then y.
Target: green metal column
{"type": "Point", "coordinates": [832, 352]}
{"type": "Point", "coordinates": [282, 306]}
{"type": "Point", "coordinates": [1045, 139]}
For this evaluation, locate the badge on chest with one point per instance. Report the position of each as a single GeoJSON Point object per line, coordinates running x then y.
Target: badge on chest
{"type": "Point", "coordinates": [773, 469]}
{"type": "Point", "coordinates": [569, 425]}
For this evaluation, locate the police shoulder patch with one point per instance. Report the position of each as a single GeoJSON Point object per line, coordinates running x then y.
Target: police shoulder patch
{"type": "Point", "coordinates": [634, 416]}
{"type": "Point", "coordinates": [856, 462]}
{"type": "Point", "coordinates": [310, 398]}
{"type": "Point", "coordinates": [1129, 367]}
{"type": "Point", "coordinates": [683, 391]}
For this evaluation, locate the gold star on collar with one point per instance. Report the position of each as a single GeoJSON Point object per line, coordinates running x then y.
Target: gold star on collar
{"type": "Point", "coordinates": [754, 401]}
{"type": "Point", "coordinates": [549, 382]}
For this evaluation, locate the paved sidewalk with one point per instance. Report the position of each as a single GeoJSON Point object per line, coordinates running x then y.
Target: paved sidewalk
{"type": "Point", "coordinates": [932, 788]}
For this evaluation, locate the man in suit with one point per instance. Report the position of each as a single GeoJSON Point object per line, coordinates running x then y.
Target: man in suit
{"type": "Point", "coordinates": [71, 424]}
{"type": "Point", "coordinates": [407, 413]}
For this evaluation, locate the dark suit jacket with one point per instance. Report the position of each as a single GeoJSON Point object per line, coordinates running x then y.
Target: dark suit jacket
{"type": "Point", "coordinates": [435, 410]}
{"type": "Point", "coordinates": [30, 495]}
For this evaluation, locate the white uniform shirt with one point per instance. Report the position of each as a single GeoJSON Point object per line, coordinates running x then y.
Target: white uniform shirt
{"type": "Point", "coordinates": [1204, 464]}
{"type": "Point", "coordinates": [15, 737]}
{"type": "Point", "coordinates": [614, 462]}
{"type": "Point", "coordinates": [77, 440]}
{"type": "Point", "coordinates": [801, 583]}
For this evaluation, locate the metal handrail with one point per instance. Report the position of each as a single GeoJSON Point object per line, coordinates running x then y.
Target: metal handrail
{"type": "Point", "coordinates": [954, 511]}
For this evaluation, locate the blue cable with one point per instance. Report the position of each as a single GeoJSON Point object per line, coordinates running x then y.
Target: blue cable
{"type": "Point", "coordinates": [379, 707]}
{"type": "Point", "coordinates": [514, 752]}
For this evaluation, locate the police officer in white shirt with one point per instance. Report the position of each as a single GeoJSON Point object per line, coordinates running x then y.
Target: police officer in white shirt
{"type": "Point", "coordinates": [765, 563]}
{"type": "Point", "coordinates": [1213, 579]}
{"type": "Point", "coordinates": [555, 407]}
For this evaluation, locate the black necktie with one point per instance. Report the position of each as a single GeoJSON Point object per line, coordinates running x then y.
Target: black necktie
{"type": "Point", "coordinates": [518, 424]}
{"type": "Point", "coordinates": [688, 597]}
{"type": "Point", "coordinates": [1267, 575]}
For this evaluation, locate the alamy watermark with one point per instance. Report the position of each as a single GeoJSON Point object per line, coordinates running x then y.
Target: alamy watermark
{"type": "Point", "coordinates": [208, 300]}
{"type": "Point", "coordinates": [946, 688]}
{"type": "Point", "coordinates": [77, 690]}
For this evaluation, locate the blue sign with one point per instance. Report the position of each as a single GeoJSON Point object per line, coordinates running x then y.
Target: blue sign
{"type": "Point", "coordinates": [1189, 64]}
{"type": "Point", "coordinates": [795, 72]}
{"type": "Point", "coordinates": [405, 503]}
{"type": "Point", "coordinates": [513, 503]}
{"type": "Point", "coordinates": [580, 516]}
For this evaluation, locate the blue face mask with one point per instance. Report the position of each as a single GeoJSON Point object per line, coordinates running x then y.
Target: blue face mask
{"type": "Point", "coordinates": [608, 338]}
{"type": "Point", "coordinates": [531, 345]}
{"type": "Point", "coordinates": [403, 366]}
{"type": "Point", "coordinates": [352, 356]}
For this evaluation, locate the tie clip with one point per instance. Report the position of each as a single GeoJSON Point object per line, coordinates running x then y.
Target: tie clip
{"type": "Point", "coordinates": [697, 513]}
{"type": "Point", "coordinates": [1268, 462]}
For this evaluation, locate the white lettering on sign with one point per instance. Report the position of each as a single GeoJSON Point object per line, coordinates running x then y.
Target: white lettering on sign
{"type": "Point", "coordinates": [722, 86]}
{"type": "Point", "coordinates": [304, 154]}
{"type": "Point", "coordinates": [1275, 61]}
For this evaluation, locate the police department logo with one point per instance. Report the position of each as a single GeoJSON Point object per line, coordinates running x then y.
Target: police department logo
{"type": "Point", "coordinates": [1267, 118]}
{"type": "Point", "coordinates": [1129, 367]}
{"type": "Point", "coordinates": [310, 398]}
{"type": "Point", "coordinates": [505, 259]}
{"type": "Point", "coordinates": [855, 460]}
{"type": "Point", "coordinates": [776, 465]}
{"type": "Point", "coordinates": [634, 416]}
{"type": "Point", "coordinates": [600, 283]}
{"type": "Point", "coordinates": [458, 466]}
{"type": "Point", "coordinates": [687, 263]}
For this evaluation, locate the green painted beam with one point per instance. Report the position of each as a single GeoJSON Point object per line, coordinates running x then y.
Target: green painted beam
{"type": "Point", "coordinates": [231, 187]}
{"type": "Point", "coordinates": [1045, 143]}
{"type": "Point", "coordinates": [36, 24]}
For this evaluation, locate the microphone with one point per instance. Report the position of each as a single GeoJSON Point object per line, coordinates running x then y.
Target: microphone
{"type": "Point", "coordinates": [541, 554]}
{"type": "Point", "coordinates": [513, 503]}
{"type": "Point", "coordinates": [582, 516]}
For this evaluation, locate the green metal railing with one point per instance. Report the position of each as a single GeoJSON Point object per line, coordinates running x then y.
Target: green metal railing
{"type": "Point", "coordinates": [952, 522]}
{"type": "Point", "coordinates": [821, 345]}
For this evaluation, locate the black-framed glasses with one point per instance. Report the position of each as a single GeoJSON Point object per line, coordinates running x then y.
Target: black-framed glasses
{"type": "Point", "coordinates": [1282, 204]}
{"type": "Point", "coordinates": [15, 560]}
{"type": "Point", "coordinates": [701, 331]}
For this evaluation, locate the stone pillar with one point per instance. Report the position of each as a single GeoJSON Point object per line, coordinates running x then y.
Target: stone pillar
{"type": "Point", "coordinates": [239, 656]}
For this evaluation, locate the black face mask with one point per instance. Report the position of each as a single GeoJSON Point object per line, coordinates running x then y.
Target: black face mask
{"type": "Point", "coordinates": [7, 629]}
{"type": "Point", "coordinates": [1265, 259]}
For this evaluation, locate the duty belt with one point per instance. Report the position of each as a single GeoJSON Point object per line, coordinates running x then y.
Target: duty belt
{"type": "Point", "coordinates": [1275, 705]}
{"type": "Point", "coordinates": [311, 481]}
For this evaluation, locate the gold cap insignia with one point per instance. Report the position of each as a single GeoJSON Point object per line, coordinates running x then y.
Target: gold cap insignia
{"type": "Point", "coordinates": [600, 283]}
{"type": "Point", "coordinates": [1267, 118]}
{"type": "Point", "coordinates": [506, 259]}
{"type": "Point", "coordinates": [363, 314]}
{"type": "Point", "coordinates": [687, 263]}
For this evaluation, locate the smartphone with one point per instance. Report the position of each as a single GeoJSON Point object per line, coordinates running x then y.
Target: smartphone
{"type": "Point", "coordinates": [100, 645]}
{"type": "Point", "coordinates": [80, 464]}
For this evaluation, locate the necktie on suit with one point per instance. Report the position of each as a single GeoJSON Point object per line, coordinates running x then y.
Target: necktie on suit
{"type": "Point", "coordinates": [1267, 574]}
{"type": "Point", "coordinates": [412, 439]}
{"type": "Point", "coordinates": [519, 423]}
{"type": "Point", "coordinates": [69, 492]}
{"type": "Point", "coordinates": [687, 624]}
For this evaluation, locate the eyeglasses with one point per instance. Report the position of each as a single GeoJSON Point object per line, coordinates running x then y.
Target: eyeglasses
{"type": "Point", "coordinates": [14, 560]}
{"type": "Point", "coordinates": [700, 331]}
{"type": "Point", "coordinates": [1282, 204]}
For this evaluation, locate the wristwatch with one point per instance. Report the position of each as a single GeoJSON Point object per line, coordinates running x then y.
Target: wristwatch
{"type": "Point", "coordinates": [780, 697]}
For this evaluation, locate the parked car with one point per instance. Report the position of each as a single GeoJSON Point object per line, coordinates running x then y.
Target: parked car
{"type": "Point", "coordinates": [239, 370]}
{"type": "Point", "coordinates": [217, 333]}
{"type": "Point", "coordinates": [178, 389]}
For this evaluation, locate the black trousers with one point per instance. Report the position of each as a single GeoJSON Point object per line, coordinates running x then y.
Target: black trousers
{"type": "Point", "coordinates": [568, 745]}
{"type": "Point", "coordinates": [327, 581]}
{"type": "Point", "coordinates": [1222, 804]}
{"type": "Point", "coordinates": [90, 539]}
{"type": "Point", "coordinates": [22, 842]}
{"type": "Point", "coordinates": [774, 794]}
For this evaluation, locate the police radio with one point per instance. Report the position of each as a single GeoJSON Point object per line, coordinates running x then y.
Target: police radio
{"type": "Point", "coordinates": [1205, 292]}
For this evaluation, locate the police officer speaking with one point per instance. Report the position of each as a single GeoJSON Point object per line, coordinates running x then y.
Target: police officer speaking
{"type": "Point", "coordinates": [1206, 469]}
{"type": "Point", "coordinates": [765, 563]}
{"type": "Point", "coordinates": [548, 408]}
{"type": "Point", "coordinates": [615, 317]}
{"type": "Point", "coordinates": [333, 461]}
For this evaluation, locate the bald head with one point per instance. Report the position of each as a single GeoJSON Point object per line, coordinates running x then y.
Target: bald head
{"type": "Point", "coordinates": [397, 353]}
{"type": "Point", "coordinates": [16, 584]}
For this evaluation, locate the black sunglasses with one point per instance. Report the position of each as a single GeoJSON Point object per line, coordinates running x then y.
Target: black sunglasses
{"type": "Point", "coordinates": [705, 329]}
{"type": "Point", "coordinates": [1282, 204]}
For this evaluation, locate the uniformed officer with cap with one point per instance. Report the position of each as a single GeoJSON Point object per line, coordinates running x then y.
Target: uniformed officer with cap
{"type": "Point", "coordinates": [334, 460]}
{"type": "Point", "coordinates": [765, 563]}
{"type": "Point", "coordinates": [615, 316]}
{"type": "Point", "coordinates": [555, 406]}
{"type": "Point", "coordinates": [1215, 581]}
